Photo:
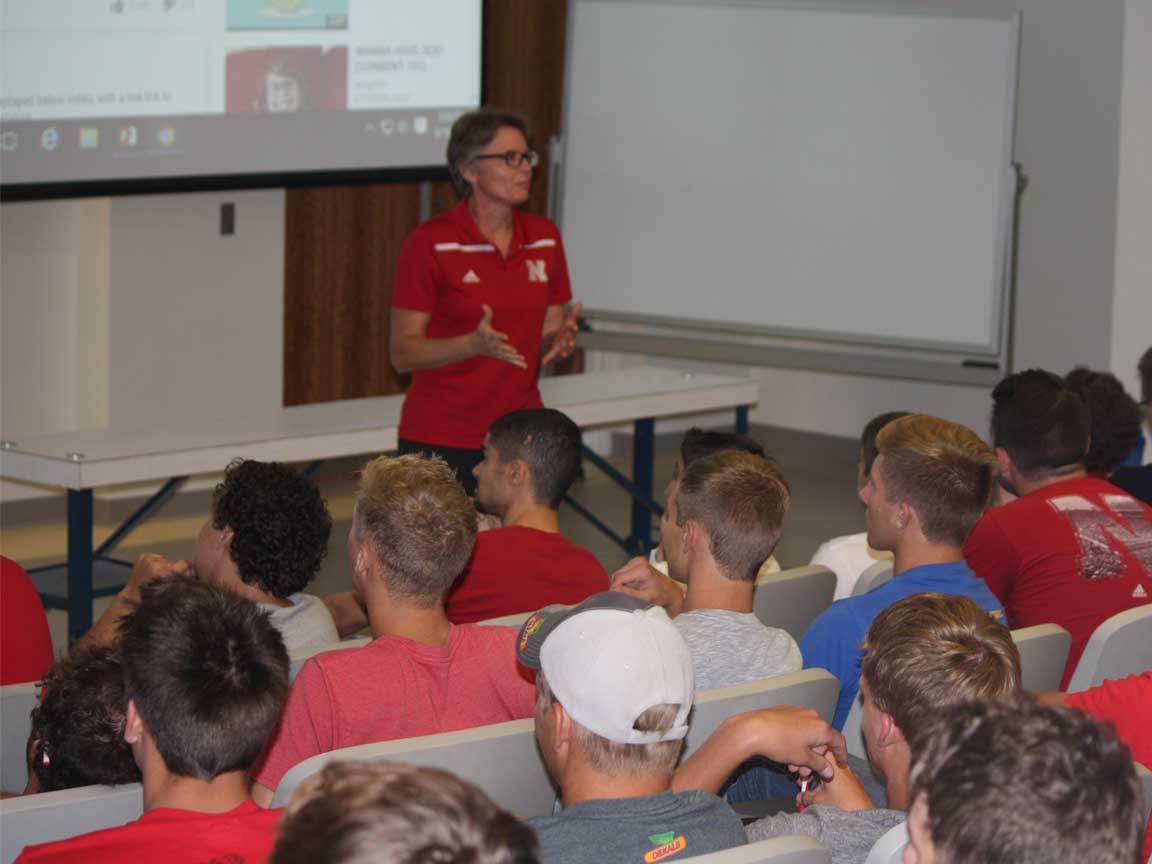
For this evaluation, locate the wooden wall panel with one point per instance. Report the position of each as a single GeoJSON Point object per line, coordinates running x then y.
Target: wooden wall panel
{"type": "Point", "coordinates": [342, 242]}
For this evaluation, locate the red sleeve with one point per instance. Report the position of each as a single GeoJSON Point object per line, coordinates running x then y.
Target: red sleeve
{"type": "Point", "coordinates": [559, 286]}
{"type": "Point", "coordinates": [991, 556]}
{"type": "Point", "coordinates": [1127, 705]}
{"type": "Point", "coordinates": [306, 727]}
{"type": "Point", "coordinates": [25, 643]}
{"type": "Point", "coordinates": [417, 275]}
{"type": "Point", "coordinates": [517, 684]}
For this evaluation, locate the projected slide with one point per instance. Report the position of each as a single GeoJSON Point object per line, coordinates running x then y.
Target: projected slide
{"type": "Point", "coordinates": [132, 89]}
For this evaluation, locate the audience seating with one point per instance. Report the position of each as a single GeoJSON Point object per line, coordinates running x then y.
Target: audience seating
{"type": "Point", "coordinates": [16, 704]}
{"type": "Point", "coordinates": [889, 849]}
{"type": "Point", "coordinates": [53, 816]}
{"type": "Point", "coordinates": [507, 620]}
{"type": "Point", "coordinates": [502, 758]}
{"type": "Point", "coordinates": [778, 850]}
{"type": "Point", "coordinates": [1119, 647]}
{"type": "Point", "coordinates": [877, 574]}
{"type": "Point", "coordinates": [1043, 656]}
{"type": "Point", "coordinates": [791, 599]}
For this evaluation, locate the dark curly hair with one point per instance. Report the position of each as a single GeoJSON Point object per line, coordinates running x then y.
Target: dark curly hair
{"type": "Point", "coordinates": [1114, 418]}
{"type": "Point", "coordinates": [77, 736]}
{"type": "Point", "coordinates": [280, 525]}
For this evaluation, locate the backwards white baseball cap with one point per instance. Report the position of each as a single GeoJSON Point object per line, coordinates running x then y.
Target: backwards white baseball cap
{"type": "Point", "coordinates": [610, 659]}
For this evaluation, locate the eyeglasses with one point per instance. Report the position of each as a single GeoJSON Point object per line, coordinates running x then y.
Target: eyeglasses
{"type": "Point", "coordinates": [514, 158]}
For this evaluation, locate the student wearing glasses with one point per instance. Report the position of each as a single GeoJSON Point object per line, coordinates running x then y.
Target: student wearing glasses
{"type": "Point", "coordinates": [478, 304]}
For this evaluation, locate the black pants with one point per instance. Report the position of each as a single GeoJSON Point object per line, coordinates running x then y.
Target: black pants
{"type": "Point", "coordinates": [459, 459]}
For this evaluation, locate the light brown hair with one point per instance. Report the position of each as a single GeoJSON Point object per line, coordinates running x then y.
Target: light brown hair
{"type": "Point", "coordinates": [943, 470]}
{"type": "Point", "coordinates": [739, 500]}
{"type": "Point", "coordinates": [361, 812]}
{"type": "Point", "coordinates": [929, 652]}
{"type": "Point", "coordinates": [420, 523]}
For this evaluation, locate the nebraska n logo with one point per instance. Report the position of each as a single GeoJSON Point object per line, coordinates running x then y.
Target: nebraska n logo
{"type": "Point", "coordinates": [1100, 532]}
{"type": "Point", "coordinates": [536, 271]}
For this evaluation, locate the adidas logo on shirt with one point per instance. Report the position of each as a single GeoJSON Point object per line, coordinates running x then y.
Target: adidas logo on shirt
{"type": "Point", "coordinates": [470, 277]}
{"type": "Point", "coordinates": [1139, 593]}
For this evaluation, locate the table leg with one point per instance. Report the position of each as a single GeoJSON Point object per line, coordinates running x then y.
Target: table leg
{"type": "Point", "coordinates": [643, 470]}
{"type": "Point", "coordinates": [79, 562]}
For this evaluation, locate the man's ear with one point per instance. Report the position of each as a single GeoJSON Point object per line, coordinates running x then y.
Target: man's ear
{"type": "Point", "coordinates": [133, 725]}
{"type": "Point", "coordinates": [1004, 461]}
{"type": "Point", "coordinates": [561, 729]}
{"type": "Point", "coordinates": [693, 538]}
{"type": "Point", "coordinates": [518, 473]}
{"type": "Point", "coordinates": [890, 734]}
{"type": "Point", "coordinates": [904, 515]}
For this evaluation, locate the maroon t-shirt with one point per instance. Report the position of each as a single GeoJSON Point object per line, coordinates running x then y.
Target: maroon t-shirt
{"type": "Point", "coordinates": [1074, 553]}
{"type": "Point", "coordinates": [516, 569]}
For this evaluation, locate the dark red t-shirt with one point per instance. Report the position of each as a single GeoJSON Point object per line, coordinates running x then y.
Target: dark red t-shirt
{"type": "Point", "coordinates": [1074, 553]}
{"type": "Point", "coordinates": [25, 643]}
{"type": "Point", "coordinates": [244, 835]}
{"type": "Point", "coordinates": [448, 269]}
{"type": "Point", "coordinates": [516, 569]}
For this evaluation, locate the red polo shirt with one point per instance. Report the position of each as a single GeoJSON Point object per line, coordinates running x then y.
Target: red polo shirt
{"type": "Point", "coordinates": [449, 269]}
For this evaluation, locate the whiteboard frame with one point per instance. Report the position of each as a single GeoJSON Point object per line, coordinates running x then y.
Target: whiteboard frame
{"type": "Point", "coordinates": [787, 347]}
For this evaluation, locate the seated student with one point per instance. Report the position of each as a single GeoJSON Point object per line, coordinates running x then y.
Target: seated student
{"type": "Point", "coordinates": [614, 692]}
{"type": "Point", "coordinates": [1133, 478]}
{"type": "Point", "coordinates": [25, 643]}
{"type": "Point", "coordinates": [1072, 550]}
{"type": "Point", "coordinates": [412, 532]}
{"type": "Point", "coordinates": [205, 674]}
{"type": "Point", "coordinates": [356, 812]}
{"type": "Point", "coordinates": [531, 457]}
{"type": "Point", "coordinates": [697, 444]}
{"type": "Point", "coordinates": [925, 655]}
{"type": "Point", "coordinates": [721, 522]}
{"type": "Point", "coordinates": [265, 539]}
{"type": "Point", "coordinates": [1026, 784]}
{"type": "Point", "coordinates": [77, 735]}
{"type": "Point", "coordinates": [930, 482]}
{"type": "Point", "coordinates": [850, 555]}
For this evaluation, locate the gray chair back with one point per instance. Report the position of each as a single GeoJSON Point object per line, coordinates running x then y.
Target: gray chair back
{"type": "Point", "coordinates": [1043, 656]}
{"type": "Point", "coordinates": [889, 849]}
{"type": "Point", "coordinates": [507, 620]}
{"type": "Point", "coordinates": [16, 704]}
{"type": "Point", "coordinates": [52, 816]}
{"type": "Point", "coordinates": [791, 599]}
{"type": "Point", "coordinates": [1119, 647]}
{"type": "Point", "coordinates": [877, 574]}
{"type": "Point", "coordinates": [778, 850]}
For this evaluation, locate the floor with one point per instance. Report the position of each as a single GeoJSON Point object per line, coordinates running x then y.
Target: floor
{"type": "Point", "coordinates": [819, 468]}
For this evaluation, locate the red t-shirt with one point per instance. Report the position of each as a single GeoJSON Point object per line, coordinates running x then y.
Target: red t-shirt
{"type": "Point", "coordinates": [244, 835]}
{"type": "Point", "coordinates": [517, 569]}
{"type": "Point", "coordinates": [25, 643]}
{"type": "Point", "coordinates": [448, 269]}
{"type": "Point", "coordinates": [397, 688]}
{"type": "Point", "coordinates": [1074, 553]}
{"type": "Point", "coordinates": [1127, 705]}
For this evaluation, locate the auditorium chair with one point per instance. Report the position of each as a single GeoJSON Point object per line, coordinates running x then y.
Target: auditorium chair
{"type": "Point", "coordinates": [1043, 656]}
{"type": "Point", "coordinates": [791, 599]}
{"type": "Point", "coordinates": [877, 574]}
{"type": "Point", "coordinates": [1119, 647]}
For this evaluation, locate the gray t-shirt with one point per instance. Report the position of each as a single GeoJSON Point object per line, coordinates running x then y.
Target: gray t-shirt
{"type": "Point", "coordinates": [305, 625]}
{"type": "Point", "coordinates": [848, 835]}
{"type": "Point", "coordinates": [734, 647]}
{"type": "Point", "coordinates": [624, 830]}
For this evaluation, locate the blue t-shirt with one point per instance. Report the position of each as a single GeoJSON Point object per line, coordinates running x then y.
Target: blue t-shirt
{"type": "Point", "coordinates": [833, 640]}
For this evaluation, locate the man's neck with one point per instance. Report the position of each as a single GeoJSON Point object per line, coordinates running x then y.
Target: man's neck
{"type": "Point", "coordinates": [896, 775]}
{"type": "Point", "coordinates": [920, 553]}
{"type": "Point", "coordinates": [426, 625]}
{"type": "Point", "coordinates": [708, 588]}
{"type": "Point", "coordinates": [495, 221]}
{"type": "Point", "coordinates": [219, 795]}
{"type": "Point", "coordinates": [530, 514]}
{"type": "Point", "coordinates": [1026, 485]}
{"type": "Point", "coordinates": [583, 783]}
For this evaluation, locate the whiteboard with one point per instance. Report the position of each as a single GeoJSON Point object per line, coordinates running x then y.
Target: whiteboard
{"type": "Point", "coordinates": [816, 173]}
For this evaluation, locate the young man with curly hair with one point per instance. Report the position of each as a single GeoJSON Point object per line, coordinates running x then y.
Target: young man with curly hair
{"type": "Point", "coordinates": [265, 539]}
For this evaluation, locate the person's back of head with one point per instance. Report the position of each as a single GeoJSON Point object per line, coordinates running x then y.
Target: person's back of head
{"type": "Point", "coordinates": [361, 812]}
{"type": "Point", "coordinates": [1041, 424]}
{"type": "Point", "coordinates": [548, 442]}
{"type": "Point", "coordinates": [1144, 368]}
{"type": "Point", "coordinates": [739, 501]}
{"type": "Point", "coordinates": [419, 524]}
{"type": "Point", "coordinates": [1022, 784]}
{"type": "Point", "coordinates": [628, 719]}
{"type": "Point", "coordinates": [868, 449]}
{"type": "Point", "coordinates": [1114, 418]}
{"type": "Point", "coordinates": [928, 652]}
{"type": "Point", "coordinates": [207, 673]}
{"type": "Point", "coordinates": [277, 527]}
{"type": "Point", "coordinates": [77, 736]}
{"type": "Point", "coordinates": [698, 443]}
{"type": "Point", "coordinates": [941, 469]}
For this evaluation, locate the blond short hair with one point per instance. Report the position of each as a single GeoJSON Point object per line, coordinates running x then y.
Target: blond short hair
{"type": "Point", "coordinates": [623, 760]}
{"type": "Point", "coordinates": [929, 652]}
{"type": "Point", "coordinates": [943, 470]}
{"type": "Point", "coordinates": [739, 500]}
{"type": "Point", "coordinates": [420, 523]}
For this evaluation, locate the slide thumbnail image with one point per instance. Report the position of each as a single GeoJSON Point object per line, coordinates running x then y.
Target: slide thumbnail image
{"type": "Point", "coordinates": [287, 78]}
{"type": "Point", "coordinates": [288, 14]}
